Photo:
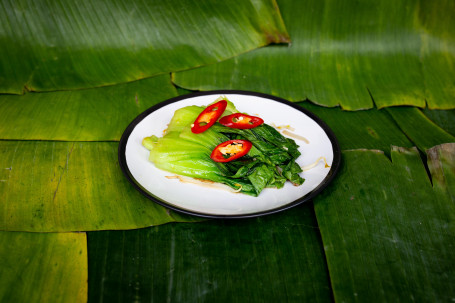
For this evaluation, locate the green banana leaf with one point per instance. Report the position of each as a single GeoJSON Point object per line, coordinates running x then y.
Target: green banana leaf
{"type": "Point", "coordinates": [421, 130]}
{"type": "Point", "coordinates": [367, 129]}
{"type": "Point", "coordinates": [102, 114]}
{"type": "Point", "coordinates": [276, 258]}
{"type": "Point", "coordinates": [50, 186]}
{"type": "Point", "coordinates": [443, 118]}
{"type": "Point", "coordinates": [84, 180]}
{"type": "Point", "coordinates": [438, 52]}
{"type": "Point", "coordinates": [388, 234]}
{"type": "Point", "coordinates": [69, 45]}
{"type": "Point", "coordinates": [43, 267]}
{"type": "Point", "coordinates": [349, 54]}
{"type": "Point", "coordinates": [98, 114]}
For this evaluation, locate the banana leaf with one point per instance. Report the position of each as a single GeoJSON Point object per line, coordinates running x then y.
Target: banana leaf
{"type": "Point", "coordinates": [366, 129]}
{"type": "Point", "coordinates": [38, 267]}
{"type": "Point", "coordinates": [55, 45]}
{"type": "Point", "coordinates": [421, 130]}
{"type": "Point", "coordinates": [348, 54]}
{"type": "Point", "coordinates": [387, 232]}
{"type": "Point", "coordinates": [445, 119]}
{"type": "Point", "coordinates": [441, 163]}
{"type": "Point", "coordinates": [276, 258]}
{"type": "Point", "coordinates": [50, 186]}
{"type": "Point", "coordinates": [98, 114]}
{"type": "Point", "coordinates": [438, 52]}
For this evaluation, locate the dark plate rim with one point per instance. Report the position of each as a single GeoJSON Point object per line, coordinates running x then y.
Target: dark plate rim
{"type": "Point", "coordinates": [322, 185]}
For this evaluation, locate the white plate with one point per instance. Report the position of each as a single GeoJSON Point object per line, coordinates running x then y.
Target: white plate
{"type": "Point", "coordinates": [219, 203]}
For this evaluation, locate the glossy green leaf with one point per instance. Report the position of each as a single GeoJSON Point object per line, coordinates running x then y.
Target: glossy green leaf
{"type": "Point", "coordinates": [367, 129]}
{"type": "Point", "coordinates": [422, 131]}
{"type": "Point", "coordinates": [438, 52]}
{"type": "Point", "coordinates": [38, 267]}
{"type": "Point", "coordinates": [445, 119]}
{"type": "Point", "coordinates": [98, 114]}
{"type": "Point", "coordinates": [387, 233]}
{"type": "Point", "coordinates": [276, 258]}
{"type": "Point", "coordinates": [70, 186]}
{"type": "Point", "coordinates": [67, 45]}
{"type": "Point", "coordinates": [347, 54]}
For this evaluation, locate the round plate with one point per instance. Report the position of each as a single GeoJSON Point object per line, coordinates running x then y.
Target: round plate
{"type": "Point", "coordinates": [215, 202]}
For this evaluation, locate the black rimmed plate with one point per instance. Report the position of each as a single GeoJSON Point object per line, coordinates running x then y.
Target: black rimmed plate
{"type": "Point", "coordinates": [317, 143]}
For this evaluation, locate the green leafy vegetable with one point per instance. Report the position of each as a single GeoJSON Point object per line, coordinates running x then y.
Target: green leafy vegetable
{"type": "Point", "coordinates": [269, 163]}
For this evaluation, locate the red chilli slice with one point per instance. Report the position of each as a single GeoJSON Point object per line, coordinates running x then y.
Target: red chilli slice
{"type": "Point", "coordinates": [241, 121]}
{"type": "Point", "coordinates": [230, 150]}
{"type": "Point", "coordinates": [208, 117]}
